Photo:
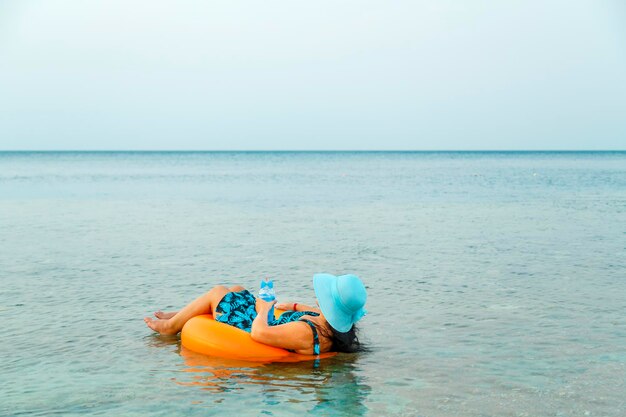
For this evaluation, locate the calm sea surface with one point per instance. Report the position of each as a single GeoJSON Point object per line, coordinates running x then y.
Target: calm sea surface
{"type": "Point", "coordinates": [497, 281]}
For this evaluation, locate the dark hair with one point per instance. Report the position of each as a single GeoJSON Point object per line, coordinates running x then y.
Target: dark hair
{"type": "Point", "coordinates": [346, 342]}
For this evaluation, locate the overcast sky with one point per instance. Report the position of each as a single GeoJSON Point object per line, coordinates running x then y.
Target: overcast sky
{"type": "Point", "coordinates": [389, 74]}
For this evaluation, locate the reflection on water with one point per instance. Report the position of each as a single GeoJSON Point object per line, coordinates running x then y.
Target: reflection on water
{"type": "Point", "coordinates": [329, 386]}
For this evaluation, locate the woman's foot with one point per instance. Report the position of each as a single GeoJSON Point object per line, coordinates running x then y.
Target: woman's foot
{"type": "Point", "coordinates": [164, 315]}
{"type": "Point", "coordinates": [160, 326]}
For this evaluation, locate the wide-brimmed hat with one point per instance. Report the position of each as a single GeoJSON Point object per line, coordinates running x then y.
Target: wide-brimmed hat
{"type": "Point", "coordinates": [341, 299]}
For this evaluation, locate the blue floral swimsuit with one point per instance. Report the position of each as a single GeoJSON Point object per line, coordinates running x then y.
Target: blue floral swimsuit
{"type": "Point", "coordinates": [239, 309]}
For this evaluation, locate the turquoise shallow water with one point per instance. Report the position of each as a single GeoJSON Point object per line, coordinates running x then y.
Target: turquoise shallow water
{"type": "Point", "coordinates": [497, 281]}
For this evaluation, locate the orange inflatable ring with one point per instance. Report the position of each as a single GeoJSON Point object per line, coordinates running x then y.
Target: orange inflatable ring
{"type": "Point", "coordinates": [202, 334]}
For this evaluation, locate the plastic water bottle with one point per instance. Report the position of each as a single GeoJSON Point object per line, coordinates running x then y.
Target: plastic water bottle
{"type": "Point", "coordinates": [266, 293]}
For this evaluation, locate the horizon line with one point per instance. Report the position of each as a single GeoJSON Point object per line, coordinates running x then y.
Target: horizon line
{"type": "Point", "coordinates": [311, 150]}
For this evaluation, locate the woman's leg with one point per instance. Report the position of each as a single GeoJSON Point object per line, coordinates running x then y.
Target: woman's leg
{"type": "Point", "coordinates": [164, 315]}
{"type": "Point", "coordinates": [168, 315]}
{"type": "Point", "coordinates": [201, 305]}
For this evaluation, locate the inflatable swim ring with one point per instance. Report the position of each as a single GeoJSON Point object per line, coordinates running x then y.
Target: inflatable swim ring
{"type": "Point", "coordinates": [202, 334]}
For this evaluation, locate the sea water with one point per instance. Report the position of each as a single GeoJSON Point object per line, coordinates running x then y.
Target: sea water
{"type": "Point", "coordinates": [496, 280]}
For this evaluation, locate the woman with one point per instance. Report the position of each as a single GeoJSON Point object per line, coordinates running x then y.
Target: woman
{"type": "Point", "coordinates": [303, 329]}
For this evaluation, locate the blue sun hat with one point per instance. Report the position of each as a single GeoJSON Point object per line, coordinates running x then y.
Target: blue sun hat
{"type": "Point", "coordinates": [341, 299]}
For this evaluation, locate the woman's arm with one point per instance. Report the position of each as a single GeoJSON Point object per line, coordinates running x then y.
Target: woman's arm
{"type": "Point", "coordinates": [296, 307]}
{"type": "Point", "coordinates": [295, 335]}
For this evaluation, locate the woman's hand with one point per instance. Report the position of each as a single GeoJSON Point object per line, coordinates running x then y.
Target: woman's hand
{"type": "Point", "coordinates": [263, 307]}
{"type": "Point", "coordinates": [296, 307]}
{"type": "Point", "coordinates": [284, 306]}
